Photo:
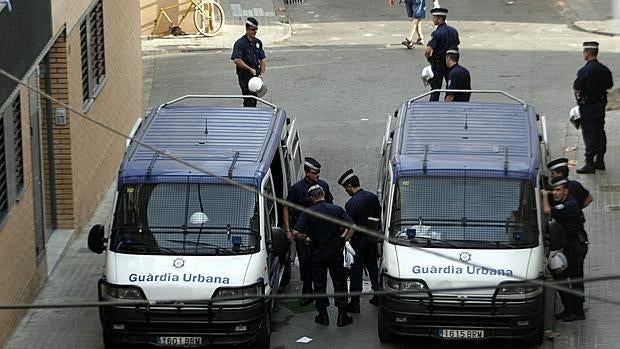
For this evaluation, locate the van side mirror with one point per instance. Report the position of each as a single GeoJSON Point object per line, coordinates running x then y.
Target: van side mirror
{"type": "Point", "coordinates": [557, 238]}
{"type": "Point", "coordinates": [96, 240]}
{"type": "Point", "coordinates": [279, 243]}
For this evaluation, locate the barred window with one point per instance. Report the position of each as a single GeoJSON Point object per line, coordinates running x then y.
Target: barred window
{"type": "Point", "coordinates": [17, 138]}
{"type": "Point", "coordinates": [458, 211]}
{"type": "Point", "coordinates": [4, 197]}
{"type": "Point", "coordinates": [92, 52]}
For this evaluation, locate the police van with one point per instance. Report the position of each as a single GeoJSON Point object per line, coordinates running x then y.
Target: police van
{"type": "Point", "coordinates": [191, 240]}
{"type": "Point", "coordinates": [463, 219]}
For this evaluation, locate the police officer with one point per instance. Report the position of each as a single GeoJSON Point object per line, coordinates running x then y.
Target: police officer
{"type": "Point", "coordinates": [443, 38]}
{"type": "Point", "coordinates": [364, 208]}
{"type": "Point", "coordinates": [591, 85]}
{"type": "Point", "coordinates": [298, 194]}
{"type": "Point", "coordinates": [559, 168]}
{"type": "Point", "coordinates": [457, 79]}
{"type": "Point", "coordinates": [326, 243]}
{"type": "Point", "coordinates": [565, 210]}
{"type": "Point", "coordinates": [249, 58]}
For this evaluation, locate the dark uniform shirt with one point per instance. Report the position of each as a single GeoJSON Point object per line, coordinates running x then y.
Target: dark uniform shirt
{"type": "Point", "coordinates": [593, 80]}
{"type": "Point", "coordinates": [568, 214]}
{"type": "Point", "coordinates": [298, 194]}
{"type": "Point", "coordinates": [578, 192]}
{"type": "Point", "coordinates": [251, 52]}
{"type": "Point", "coordinates": [442, 39]}
{"type": "Point", "coordinates": [320, 231]}
{"type": "Point", "coordinates": [361, 205]}
{"type": "Point", "coordinates": [459, 79]}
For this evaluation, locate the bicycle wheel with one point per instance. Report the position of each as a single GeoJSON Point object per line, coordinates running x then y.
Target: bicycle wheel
{"type": "Point", "coordinates": [208, 17]}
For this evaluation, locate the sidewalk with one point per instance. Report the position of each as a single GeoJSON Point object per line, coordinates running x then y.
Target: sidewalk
{"type": "Point", "coordinates": [593, 16]}
{"type": "Point", "coordinates": [272, 19]}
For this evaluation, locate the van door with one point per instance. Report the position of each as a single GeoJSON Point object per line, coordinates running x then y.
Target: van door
{"type": "Point", "coordinates": [294, 158]}
{"type": "Point", "coordinates": [386, 148]}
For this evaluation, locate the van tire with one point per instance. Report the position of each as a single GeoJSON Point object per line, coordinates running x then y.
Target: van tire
{"type": "Point", "coordinates": [264, 338]}
{"type": "Point", "coordinates": [385, 336]}
{"type": "Point", "coordinates": [286, 275]}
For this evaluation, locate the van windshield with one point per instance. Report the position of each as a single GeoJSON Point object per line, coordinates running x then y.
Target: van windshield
{"type": "Point", "coordinates": [475, 212]}
{"type": "Point", "coordinates": [185, 219]}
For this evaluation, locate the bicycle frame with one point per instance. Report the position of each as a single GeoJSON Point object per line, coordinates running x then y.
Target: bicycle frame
{"type": "Point", "coordinates": [192, 5]}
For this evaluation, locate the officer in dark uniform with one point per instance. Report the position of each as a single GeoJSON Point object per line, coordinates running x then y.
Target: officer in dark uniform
{"type": "Point", "coordinates": [249, 58]}
{"type": "Point", "coordinates": [565, 210]}
{"type": "Point", "coordinates": [591, 85]}
{"type": "Point", "coordinates": [559, 168]}
{"type": "Point", "coordinates": [365, 210]}
{"type": "Point", "coordinates": [458, 78]}
{"type": "Point", "coordinates": [298, 194]}
{"type": "Point", "coordinates": [443, 38]}
{"type": "Point", "coordinates": [326, 244]}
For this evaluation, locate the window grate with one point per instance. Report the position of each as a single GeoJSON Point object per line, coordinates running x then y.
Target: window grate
{"type": "Point", "coordinates": [17, 137]}
{"type": "Point", "coordinates": [92, 52]}
{"type": "Point", "coordinates": [4, 200]}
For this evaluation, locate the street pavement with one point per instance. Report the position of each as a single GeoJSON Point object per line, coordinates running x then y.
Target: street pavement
{"type": "Point", "coordinates": [67, 282]}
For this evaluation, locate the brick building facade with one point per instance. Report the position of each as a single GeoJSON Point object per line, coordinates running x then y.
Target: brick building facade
{"type": "Point", "coordinates": [55, 165]}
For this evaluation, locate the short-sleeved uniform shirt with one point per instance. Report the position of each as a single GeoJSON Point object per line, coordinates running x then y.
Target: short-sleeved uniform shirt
{"type": "Point", "coordinates": [442, 39]}
{"type": "Point", "coordinates": [361, 205]}
{"type": "Point", "coordinates": [298, 194]}
{"type": "Point", "coordinates": [251, 52]}
{"type": "Point", "coordinates": [593, 80]}
{"type": "Point", "coordinates": [578, 192]}
{"type": "Point", "coordinates": [459, 79]}
{"type": "Point", "coordinates": [320, 231]}
{"type": "Point", "coordinates": [568, 214]}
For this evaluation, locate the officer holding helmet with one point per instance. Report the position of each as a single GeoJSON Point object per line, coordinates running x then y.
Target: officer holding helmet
{"type": "Point", "coordinates": [326, 244]}
{"type": "Point", "coordinates": [565, 210]}
{"type": "Point", "coordinates": [250, 59]}
{"type": "Point", "coordinates": [443, 38]}
{"type": "Point", "coordinates": [298, 194]}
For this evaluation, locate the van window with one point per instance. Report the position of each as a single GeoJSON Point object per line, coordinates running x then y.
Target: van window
{"type": "Point", "coordinates": [481, 212]}
{"type": "Point", "coordinates": [185, 219]}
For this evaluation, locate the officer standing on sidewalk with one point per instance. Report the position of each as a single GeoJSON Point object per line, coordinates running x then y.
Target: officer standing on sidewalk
{"type": "Point", "coordinates": [250, 59]}
{"type": "Point", "coordinates": [559, 168]}
{"type": "Point", "coordinates": [565, 210]}
{"type": "Point", "coordinates": [458, 78]}
{"type": "Point", "coordinates": [365, 210]}
{"type": "Point", "coordinates": [443, 38]}
{"type": "Point", "coordinates": [298, 194]}
{"type": "Point", "coordinates": [591, 85]}
{"type": "Point", "coordinates": [326, 244]}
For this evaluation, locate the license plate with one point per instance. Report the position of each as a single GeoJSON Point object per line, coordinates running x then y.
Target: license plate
{"type": "Point", "coordinates": [463, 334]}
{"type": "Point", "coordinates": [179, 341]}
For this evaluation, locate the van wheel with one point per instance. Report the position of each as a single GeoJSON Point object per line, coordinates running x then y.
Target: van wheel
{"type": "Point", "coordinates": [385, 336]}
{"type": "Point", "coordinates": [286, 275]}
{"type": "Point", "coordinates": [264, 339]}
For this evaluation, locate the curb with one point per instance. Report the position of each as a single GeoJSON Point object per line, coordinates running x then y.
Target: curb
{"type": "Point", "coordinates": [576, 23]}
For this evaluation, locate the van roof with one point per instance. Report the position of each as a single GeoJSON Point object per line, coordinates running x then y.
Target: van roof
{"type": "Point", "coordinates": [484, 139]}
{"type": "Point", "coordinates": [234, 142]}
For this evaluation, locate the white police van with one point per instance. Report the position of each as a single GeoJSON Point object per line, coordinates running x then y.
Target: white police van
{"type": "Point", "coordinates": [459, 184]}
{"type": "Point", "coordinates": [181, 238]}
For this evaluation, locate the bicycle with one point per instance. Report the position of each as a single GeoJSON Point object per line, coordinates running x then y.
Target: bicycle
{"type": "Point", "coordinates": [208, 18]}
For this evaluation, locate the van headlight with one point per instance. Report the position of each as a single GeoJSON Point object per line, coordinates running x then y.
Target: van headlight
{"type": "Point", "coordinates": [111, 292]}
{"type": "Point", "coordinates": [517, 290]}
{"type": "Point", "coordinates": [239, 295]}
{"type": "Point", "coordinates": [408, 287]}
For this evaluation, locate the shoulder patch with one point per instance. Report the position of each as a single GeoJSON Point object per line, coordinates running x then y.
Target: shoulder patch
{"type": "Point", "coordinates": [559, 206]}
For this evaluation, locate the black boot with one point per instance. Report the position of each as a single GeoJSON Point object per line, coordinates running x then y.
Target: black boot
{"type": "Point", "coordinates": [599, 163]}
{"type": "Point", "coordinates": [353, 307]}
{"type": "Point", "coordinates": [306, 289]}
{"type": "Point", "coordinates": [374, 300]}
{"type": "Point", "coordinates": [322, 318]}
{"type": "Point", "coordinates": [343, 318]}
{"type": "Point", "coordinates": [587, 168]}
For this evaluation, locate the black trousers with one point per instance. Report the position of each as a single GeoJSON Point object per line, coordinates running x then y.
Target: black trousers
{"type": "Point", "coordinates": [305, 266]}
{"type": "Point", "coordinates": [439, 74]}
{"type": "Point", "coordinates": [593, 130]}
{"type": "Point", "coordinates": [575, 253]}
{"type": "Point", "coordinates": [324, 258]}
{"type": "Point", "coordinates": [365, 258]}
{"type": "Point", "coordinates": [243, 83]}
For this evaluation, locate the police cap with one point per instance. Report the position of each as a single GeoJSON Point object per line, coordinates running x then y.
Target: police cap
{"type": "Point", "coordinates": [558, 181]}
{"type": "Point", "coordinates": [314, 187]}
{"type": "Point", "coordinates": [590, 45]}
{"type": "Point", "coordinates": [312, 164]}
{"type": "Point", "coordinates": [557, 163]}
{"type": "Point", "coordinates": [453, 51]}
{"type": "Point", "coordinates": [252, 23]}
{"type": "Point", "coordinates": [439, 11]}
{"type": "Point", "coordinates": [345, 177]}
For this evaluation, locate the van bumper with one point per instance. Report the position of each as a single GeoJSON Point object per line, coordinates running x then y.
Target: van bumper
{"type": "Point", "coordinates": [214, 324]}
{"type": "Point", "coordinates": [427, 318]}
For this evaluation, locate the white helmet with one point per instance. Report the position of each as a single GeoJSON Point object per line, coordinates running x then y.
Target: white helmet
{"type": "Point", "coordinates": [427, 75]}
{"type": "Point", "coordinates": [574, 116]}
{"type": "Point", "coordinates": [557, 262]}
{"type": "Point", "coordinates": [256, 85]}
